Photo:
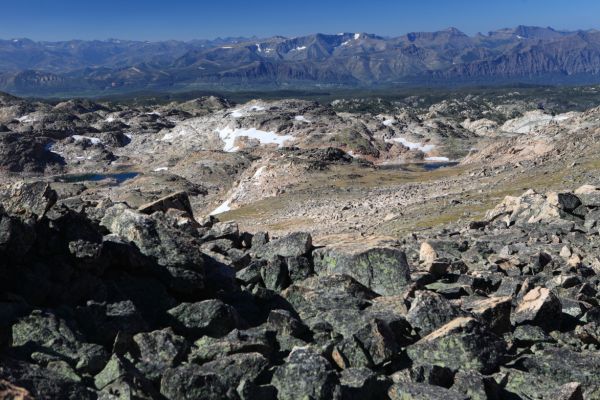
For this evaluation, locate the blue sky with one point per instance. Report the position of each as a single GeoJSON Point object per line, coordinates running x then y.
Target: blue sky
{"type": "Point", "coordinates": [178, 19]}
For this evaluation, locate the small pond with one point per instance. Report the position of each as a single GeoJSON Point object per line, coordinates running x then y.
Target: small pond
{"type": "Point", "coordinates": [427, 166]}
{"type": "Point", "coordinates": [118, 177]}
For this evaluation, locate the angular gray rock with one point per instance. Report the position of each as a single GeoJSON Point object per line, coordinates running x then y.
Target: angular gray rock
{"type": "Point", "coordinates": [462, 343]}
{"type": "Point", "coordinates": [384, 270]}
{"type": "Point", "coordinates": [538, 307]}
{"type": "Point", "coordinates": [208, 317]}
{"type": "Point", "coordinates": [306, 374]}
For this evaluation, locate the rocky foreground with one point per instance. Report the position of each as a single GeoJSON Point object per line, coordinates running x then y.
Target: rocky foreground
{"type": "Point", "coordinates": [100, 300]}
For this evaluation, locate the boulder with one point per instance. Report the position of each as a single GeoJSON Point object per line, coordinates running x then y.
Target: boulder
{"type": "Point", "coordinates": [494, 311]}
{"type": "Point", "coordinates": [120, 376]}
{"type": "Point", "coordinates": [254, 340]}
{"type": "Point", "coordinates": [476, 386]}
{"type": "Point", "coordinates": [209, 317]}
{"type": "Point", "coordinates": [159, 238]}
{"type": "Point", "coordinates": [45, 336]}
{"type": "Point", "coordinates": [568, 391]}
{"type": "Point", "coordinates": [384, 270]}
{"type": "Point", "coordinates": [429, 311]}
{"type": "Point", "coordinates": [13, 392]}
{"type": "Point", "coordinates": [323, 293]}
{"type": "Point", "coordinates": [305, 374]}
{"type": "Point", "coordinates": [422, 391]}
{"type": "Point", "coordinates": [28, 199]}
{"type": "Point", "coordinates": [293, 245]}
{"type": "Point", "coordinates": [158, 351]}
{"type": "Point", "coordinates": [363, 384]}
{"type": "Point", "coordinates": [462, 343]}
{"type": "Point", "coordinates": [177, 201]}
{"type": "Point", "coordinates": [192, 382]}
{"type": "Point", "coordinates": [235, 368]}
{"type": "Point", "coordinates": [538, 307]}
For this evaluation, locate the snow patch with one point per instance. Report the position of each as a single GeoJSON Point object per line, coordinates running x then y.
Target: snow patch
{"type": "Point", "coordinates": [229, 135]}
{"type": "Point", "coordinates": [301, 118]}
{"type": "Point", "coordinates": [227, 47]}
{"type": "Point", "coordinates": [258, 48]}
{"type": "Point", "coordinates": [425, 148]}
{"type": "Point", "coordinates": [437, 159]}
{"type": "Point", "coordinates": [222, 208]}
{"type": "Point", "coordinates": [240, 112]}
{"type": "Point", "coordinates": [79, 138]}
{"type": "Point", "coordinates": [258, 174]}
{"type": "Point", "coordinates": [389, 122]}
{"type": "Point", "coordinates": [300, 48]}
{"type": "Point", "coordinates": [356, 36]}
{"type": "Point", "coordinates": [161, 169]}
{"type": "Point", "coordinates": [26, 119]}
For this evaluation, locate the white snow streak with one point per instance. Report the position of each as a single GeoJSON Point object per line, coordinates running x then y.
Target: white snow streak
{"type": "Point", "coordinates": [79, 138]}
{"type": "Point", "coordinates": [229, 136]}
{"type": "Point", "coordinates": [425, 148]}
{"type": "Point", "coordinates": [301, 118]}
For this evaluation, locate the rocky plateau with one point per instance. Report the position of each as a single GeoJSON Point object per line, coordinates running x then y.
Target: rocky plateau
{"type": "Point", "coordinates": [294, 249]}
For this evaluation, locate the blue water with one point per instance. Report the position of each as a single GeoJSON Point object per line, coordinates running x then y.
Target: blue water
{"type": "Point", "coordinates": [430, 166]}
{"type": "Point", "coordinates": [427, 166]}
{"type": "Point", "coordinates": [119, 177]}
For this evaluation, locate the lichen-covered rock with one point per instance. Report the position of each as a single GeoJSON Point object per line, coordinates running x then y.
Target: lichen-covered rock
{"type": "Point", "coordinates": [191, 382]}
{"type": "Point", "coordinates": [429, 311]}
{"type": "Point", "coordinates": [209, 317]}
{"type": "Point", "coordinates": [324, 293]}
{"type": "Point", "coordinates": [235, 368]}
{"type": "Point", "coordinates": [156, 237]}
{"type": "Point", "coordinates": [254, 340]}
{"type": "Point", "coordinates": [305, 374]}
{"type": "Point", "coordinates": [568, 391]}
{"type": "Point", "coordinates": [422, 391]}
{"type": "Point", "coordinates": [563, 365]}
{"type": "Point", "coordinates": [158, 351]}
{"type": "Point", "coordinates": [28, 198]}
{"type": "Point", "coordinates": [382, 269]}
{"type": "Point", "coordinates": [462, 343]}
{"type": "Point", "coordinates": [363, 384]}
{"type": "Point", "coordinates": [178, 201]}
{"type": "Point", "coordinates": [46, 337]}
{"type": "Point", "coordinates": [494, 311]}
{"type": "Point", "coordinates": [476, 386]}
{"type": "Point", "coordinates": [538, 307]}
{"type": "Point", "coordinates": [120, 376]}
{"type": "Point", "coordinates": [293, 245]}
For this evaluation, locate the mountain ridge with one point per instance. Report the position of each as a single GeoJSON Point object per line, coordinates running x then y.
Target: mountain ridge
{"type": "Point", "coordinates": [521, 54]}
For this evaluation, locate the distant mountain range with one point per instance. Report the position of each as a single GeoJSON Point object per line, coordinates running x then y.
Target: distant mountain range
{"type": "Point", "coordinates": [449, 57]}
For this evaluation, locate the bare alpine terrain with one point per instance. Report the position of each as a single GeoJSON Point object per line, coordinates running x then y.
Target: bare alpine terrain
{"type": "Point", "coordinates": [512, 55]}
{"type": "Point", "coordinates": [398, 247]}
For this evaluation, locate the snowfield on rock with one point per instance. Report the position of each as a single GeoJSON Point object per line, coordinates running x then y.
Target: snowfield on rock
{"type": "Point", "coordinates": [425, 148]}
{"type": "Point", "coordinates": [533, 120]}
{"type": "Point", "coordinates": [230, 135]}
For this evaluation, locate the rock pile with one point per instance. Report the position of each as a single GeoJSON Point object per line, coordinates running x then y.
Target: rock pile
{"type": "Point", "coordinates": [102, 301]}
